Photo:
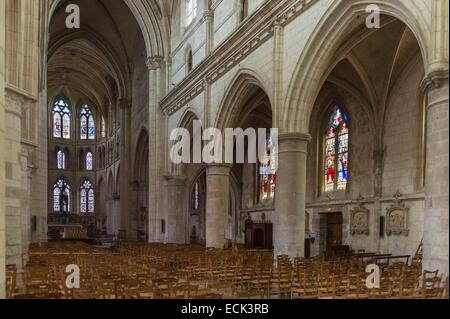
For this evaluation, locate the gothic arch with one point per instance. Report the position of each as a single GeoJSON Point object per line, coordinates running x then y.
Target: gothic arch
{"type": "Point", "coordinates": [313, 68]}
{"type": "Point", "coordinates": [244, 83]}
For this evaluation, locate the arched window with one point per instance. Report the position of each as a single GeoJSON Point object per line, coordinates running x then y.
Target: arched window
{"type": "Point", "coordinates": [61, 197]}
{"type": "Point", "coordinates": [61, 159]}
{"type": "Point", "coordinates": [103, 127]}
{"type": "Point", "coordinates": [267, 172]}
{"type": "Point", "coordinates": [89, 161]}
{"type": "Point", "coordinates": [191, 11]}
{"type": "Point", "coordinates": [61, 116]}
{"type": "Point", "coordinates": [87, 197]}
{"type": "Point", "coordinates": [336, 152]}
{"type": "Point", "coordinates": [189, 62]}
{"type": "Point", "coordinates": [196, 196]}
{"type": "Point", "coordinates": [87, 124]}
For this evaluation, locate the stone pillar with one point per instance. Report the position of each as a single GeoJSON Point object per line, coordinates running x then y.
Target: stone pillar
{"type": "Point", "coordinates": [13, 174]}
{"type": "Point", "coordinates": [176, 218]}
{"type": "Point", "coordinates": [126, 212]}
{"type": "Point", "coordinates": [208, 18]}
{"type": "Point", "coordinates": [289, 221]}
{"type": "Point", "coordinates": [435, 239]}
{"type": "Point", "coordinates": [217, 201]}
{"type": "Point", "coordinates": [156, 152]}
{"type": "Point", "coordinates": [2, 154]}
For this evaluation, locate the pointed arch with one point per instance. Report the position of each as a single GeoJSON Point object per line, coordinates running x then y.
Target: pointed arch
{"type": "Point", "coordinates": [87, 123]}
{"type": "Point", "coordinates": [313, 66]}
{"type": "Point", "coordinates": [87, 197]}
{"type": "Point", "coordinates": [244, 83]}
{"type": "Point", "coordinates": [61, 118]}
{"type": "Point", "coordinates": [61, 196]}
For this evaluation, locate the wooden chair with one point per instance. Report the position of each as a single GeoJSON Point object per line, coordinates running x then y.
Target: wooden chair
{"type": "Point", "coordinates": [431, 282]}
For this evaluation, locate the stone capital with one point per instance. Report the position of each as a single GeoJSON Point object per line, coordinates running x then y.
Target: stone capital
{"type": "Point", "coordinates": [218, 169]}
{"type": "Point", "coordinates": [208, 15]}
{"type": "Point", "coordinates": [301, 137]}
{"type": "Point", "coordinates": [434, 80]}
{"type": "Point", "coordinates": [154, 62]}
{"type": "Point", "coordinates": [293, 143]}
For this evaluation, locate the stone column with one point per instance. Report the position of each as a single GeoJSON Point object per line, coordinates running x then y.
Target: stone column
{"type": "Point", "coordinates": [13, 175]}
{"type": "Point", "coordinates": [217, 201]}
{"type": "Point", "coordinates": [176, 218]}
{"type": "Point", "coordinates": [289, 221]}
{"type": "Point", "coordinates": [435, 239]}
{"type": "Point", "coordinates": [156, 153]}
{"type": "Point", "coordinates": [2, 147]}
{"type": "Point", "coordinates": [126, 212]}
{"type": "Point", "coordinates": [208, 18]}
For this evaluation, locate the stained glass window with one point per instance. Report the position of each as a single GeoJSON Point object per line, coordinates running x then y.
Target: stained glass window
{"type": "Point", "coordinates": [89, 161]}
{"type": "Point", "coordinates": [61, 197]}
{"type": "Point", "coordinates": [336, 152]}
{"type": "Point", "coordinates": [191, 11]}
{"type": "Point", "coordinates": [267, 172]}
{"type": "Point", "coordinates": [196, 196]}
{"type": "Point", "coordinates": [87, 197]}
{"type": "Point", "coordinates": [61, 116]}
{"type": "Point", "coordinates": [61, 160]}
{"type": "Point", "coordinates": [87, 124]}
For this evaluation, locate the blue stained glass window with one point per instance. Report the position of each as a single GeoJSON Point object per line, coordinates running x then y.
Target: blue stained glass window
{"type": "Point", "coordinates": [196, 196]}
{"type": "Point", "coordinates": [89, 161]}
{"type": "Point", "coordinates": [87, 124]}
{"type": "Point", "coordinates": [61, 197]}
{"type": "Point", "coordinates": [61, 160]}
{"type": "Point", "coordinates": [267, 169]}
{"type": "Point", "coordinates": [336, 152]}
{"type": "Point", "coordinates": [87, 197]}
{"type": "Point", "coordinates": [61, 116]}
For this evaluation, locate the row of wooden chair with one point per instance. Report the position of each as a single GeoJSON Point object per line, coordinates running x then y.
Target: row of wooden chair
{"type": "Point", "coordinates": [138, 270]}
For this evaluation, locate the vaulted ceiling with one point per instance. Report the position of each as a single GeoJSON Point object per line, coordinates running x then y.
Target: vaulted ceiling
{"type": "Point", "coordinates": [94, 61]}
{"type": "Point", "coordinates": [373, 62]}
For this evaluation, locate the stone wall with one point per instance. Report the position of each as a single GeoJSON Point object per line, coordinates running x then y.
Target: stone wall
{"type": "Point", "coordinates": [2, 147]}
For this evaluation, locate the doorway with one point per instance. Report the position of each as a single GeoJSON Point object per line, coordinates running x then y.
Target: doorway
{"type": "Point", "coordinates": [331, 231]}
{"type": "Point", "coordinates": [334, 230]}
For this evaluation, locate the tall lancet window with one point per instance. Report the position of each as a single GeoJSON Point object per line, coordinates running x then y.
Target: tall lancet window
{"type": "Point", "coordinates": [87, 197]}
{"type": "Point", "coordinates": [191, 11]}
{"type": "Point", "coordinates": [89, 161]}
{"type": "Point", "coordinates": [61, 159]}
{"type": "Point", "coordinates": [196, 196]}
{"type": "Point", "coordinates": [336, 152]}
{"type": "Point", "coordinates": [61, 116]}
{"type": "Point", "coordinates": [61, 196]}
{"type": "Point", "coordinates": [87, 124]}
{"type": "Point", "coordinates": [267, 172]}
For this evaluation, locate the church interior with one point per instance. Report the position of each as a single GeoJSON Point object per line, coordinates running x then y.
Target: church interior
{"type": "Point", "coordinates": [91, 90]}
